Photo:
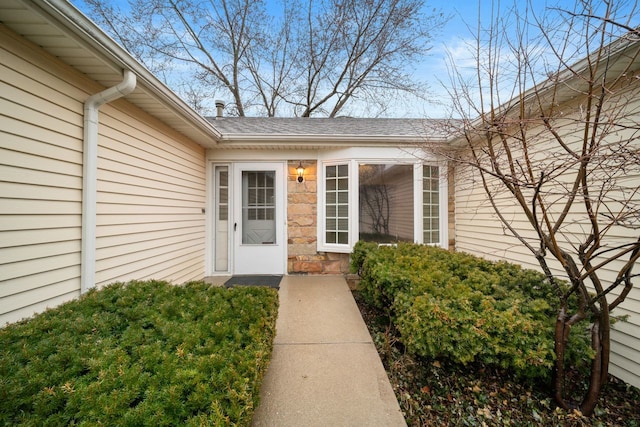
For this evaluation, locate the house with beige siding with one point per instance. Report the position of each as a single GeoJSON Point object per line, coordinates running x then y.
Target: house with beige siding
{"type": "Point", "coordinates": [77, 113]}
{"type": "Point", "coordinates": [106, 175]}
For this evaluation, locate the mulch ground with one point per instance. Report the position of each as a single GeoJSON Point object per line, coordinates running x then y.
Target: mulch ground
{"type": "Point", "coordinates": [435, 393]}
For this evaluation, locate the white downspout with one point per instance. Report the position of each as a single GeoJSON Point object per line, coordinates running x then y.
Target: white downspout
{"type": "Point", "coordinates": [90, 174]}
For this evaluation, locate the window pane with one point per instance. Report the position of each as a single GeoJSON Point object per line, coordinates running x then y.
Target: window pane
{"type": "Point", "coordinates": [337, 204]}
{"type": "Point", "coordinates": [386, 202]}
{"type": "Point", "coordinates": [258, 207]}
{"type": "Point", "coordinates": [430, 204]}
{"type": "Point", "coordinates": [221, 215]}
{"type": "Point", "coordinates": [270, 213]}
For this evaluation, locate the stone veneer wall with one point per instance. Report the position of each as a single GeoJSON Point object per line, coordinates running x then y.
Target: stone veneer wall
{"type": "Point", "coordinates": [302, 202]}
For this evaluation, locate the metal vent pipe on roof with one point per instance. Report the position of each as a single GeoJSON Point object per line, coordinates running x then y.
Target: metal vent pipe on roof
{"type": "Point", "coordinates": [219, 109]}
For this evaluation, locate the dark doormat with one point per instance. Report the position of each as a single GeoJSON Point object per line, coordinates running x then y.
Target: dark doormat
{"type": "Point", "coordinates": [254, 280]}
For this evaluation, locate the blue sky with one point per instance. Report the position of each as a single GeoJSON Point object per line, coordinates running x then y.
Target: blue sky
{"type": "Point", "coordinates": [460, 32]}
{"type": "Point", "coordinates": [453, 40]}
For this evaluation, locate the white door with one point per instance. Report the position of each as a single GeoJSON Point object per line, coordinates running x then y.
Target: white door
{"type": "Point", "coordinates": [259, 221]}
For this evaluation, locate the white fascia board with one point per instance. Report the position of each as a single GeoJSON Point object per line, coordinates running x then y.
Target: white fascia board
{"type": "Point", "coordinates": [337, 140]}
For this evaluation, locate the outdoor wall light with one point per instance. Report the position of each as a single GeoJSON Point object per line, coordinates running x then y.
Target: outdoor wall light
{"type": "Point", "coordinates": [300, 171]}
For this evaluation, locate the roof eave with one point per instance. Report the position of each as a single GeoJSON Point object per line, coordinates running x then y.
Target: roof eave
{"type": "Point", "coordinates": [65, 14]}
{"type": "Point", "coordinates": [337, 140]}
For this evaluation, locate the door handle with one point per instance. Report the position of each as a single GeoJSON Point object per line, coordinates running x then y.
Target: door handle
{"type": "Point", "coordinates": [235, 226]}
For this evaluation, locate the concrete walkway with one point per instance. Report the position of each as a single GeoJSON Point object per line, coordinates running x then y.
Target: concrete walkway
{"type": "Point", "coordinates": [325, 370]}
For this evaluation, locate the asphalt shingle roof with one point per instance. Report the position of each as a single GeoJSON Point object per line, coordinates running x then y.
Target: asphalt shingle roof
{"type": "Point", "coordinates": [330, 127]}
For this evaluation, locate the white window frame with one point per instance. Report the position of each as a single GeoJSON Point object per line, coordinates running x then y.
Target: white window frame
{"type": "Point", "coordinates": [354, 226]}
{"type": "Point", "coordinates": [323, 246]}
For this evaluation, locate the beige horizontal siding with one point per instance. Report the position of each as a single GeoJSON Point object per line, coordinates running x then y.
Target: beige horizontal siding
{"type": "Point", "coordinates": [39, 299]}
{"type": "Point", "coordinates": [155, 263]}
{"type": "Point", "coordinates": [134, 246]}
{"type": "Point", "coordinates": [44, 250]}
{"type": "Point", "coordinates": [151, 196]}
{"type": "Point", "coordinates": [135, 220]}
{"type": "Point", "coordinates": [40, 179]}
{"type": "Point", "coordinates": [151, 187]}
{"type": "Point", "coordinates": [479, 231]}
{"type": "Point", "coordinates": [107, 232]}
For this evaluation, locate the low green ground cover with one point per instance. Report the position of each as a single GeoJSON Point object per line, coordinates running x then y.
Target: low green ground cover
{"type": "Point", "coordinates": [463, 309]}
{"type": "Point", "coordinates": [144, 353]}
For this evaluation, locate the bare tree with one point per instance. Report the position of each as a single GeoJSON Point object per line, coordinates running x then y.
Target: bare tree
{"type": "Point", "coordinates": [304, 58]}
{"type": "Point", "coordinates": [551, 140]}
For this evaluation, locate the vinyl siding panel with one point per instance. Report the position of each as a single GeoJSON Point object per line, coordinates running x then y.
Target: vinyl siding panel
{"type": "Point", "coordinates": [479, 231]}
{"type": "Point", "coordinates": [40, 180]}
{"type": "Point", "coordinates": [151, 188]}
{"type": "Point", "coordinates": [151, 196]}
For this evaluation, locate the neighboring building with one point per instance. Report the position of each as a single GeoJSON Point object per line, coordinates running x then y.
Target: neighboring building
{"type": "Point", "coordinates": [478, 229]}
{"type": "Point", "coordinates": [171, 195]}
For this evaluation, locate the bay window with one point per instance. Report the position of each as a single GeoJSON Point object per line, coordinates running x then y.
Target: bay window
{"type": "Point", "coordinates": [380, 201]}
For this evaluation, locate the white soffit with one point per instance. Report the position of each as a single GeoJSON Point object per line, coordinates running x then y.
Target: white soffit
{"type": "Point", "coordinates": [63, 31]}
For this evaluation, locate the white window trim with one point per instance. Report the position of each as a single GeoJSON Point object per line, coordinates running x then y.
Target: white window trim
{"type": "Point", "coordinates": [354, 226]}
{"type": "Point", "coordinates": [444, 204]}
{"type": "Point", "coordinates": [322, 245]}
{"type": "Point", "coordinates": [418, 208]}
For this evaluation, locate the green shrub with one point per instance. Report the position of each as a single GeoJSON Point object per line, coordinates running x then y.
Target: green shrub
{"type": "Point", "coordinates": [464, 308]}
{"type": "Point", "coordinates": [144, 353]}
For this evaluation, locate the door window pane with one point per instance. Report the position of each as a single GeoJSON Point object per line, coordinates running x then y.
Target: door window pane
{"type": "Point", "coordinates": [258, 207]}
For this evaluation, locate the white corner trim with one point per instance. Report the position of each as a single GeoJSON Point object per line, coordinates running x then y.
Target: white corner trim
{"type": "Point", "coordinates": [90, 174]}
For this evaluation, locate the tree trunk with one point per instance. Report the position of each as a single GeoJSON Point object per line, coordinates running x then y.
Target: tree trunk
{"type": "Point", "coordinates": [561, 338]}
{"type": "Point", "coordinates": [600, 342]}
